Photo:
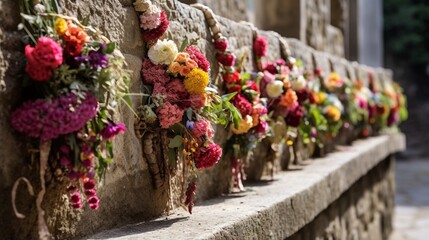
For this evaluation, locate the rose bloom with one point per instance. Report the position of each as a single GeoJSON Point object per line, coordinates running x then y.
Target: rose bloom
{"type": "Point", "coordinates": [274, 89]}
{"type": "Point", "coordinates": [163, 52]}
{"type": "Point", "coordinates": [244, 125]}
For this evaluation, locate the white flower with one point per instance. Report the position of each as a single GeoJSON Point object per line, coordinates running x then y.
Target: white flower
{"type": "Point", "coordinates": [163, 52]}
{"type": "Point", "coordinates": [299, 83]}
{"type": "Point", "coordinates": [142, 5]}
{"type": "Point", "coordinates": [274, 88]}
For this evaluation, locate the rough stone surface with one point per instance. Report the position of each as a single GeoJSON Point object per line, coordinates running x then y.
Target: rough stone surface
{"type": "Point", "coordinates": [339, 192]}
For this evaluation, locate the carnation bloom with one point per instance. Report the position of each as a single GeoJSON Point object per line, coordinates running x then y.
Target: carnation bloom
{"type": "Point", "coordinates": [198, 101]}
{"type": "Point", "coordinates": [260, 46]}
{"type": "Point", "coordinates": [44, 57]}
{"type": "Point", "coordinates": [227, 60]}
{"type": "Point", "coordinates": [242, 104]}
{"type": "Point", "coordinates": [244, 125]}
{"type": "Point", "coordinates": [176, 91]}
{"type": "Point", "coordinates": [153, 73]}
{"type": "Point", "coordinates": [198, 57]}
{"type": "Point", "coordinates": [289, 99]}
{"type": "Point", "coordinates": [333, 112]}
{"type": "Point", "coordinates": [159, 31]}
{"type": "Point", "coordinates": [163, 52]}
{"type": "Point", "coordinates": [150, 19]}
{"type": "Point", "coordinates": [231, 77]}
{"type": "Point", "coordinates": [169, 114]}
{"type": "Point", "coordinates": [111, 130]}
{"type": "Point", "coordinates": [48, 119]}
{"type": "Point", "coordinates": [221, 44]}
{"type": "Point", "coordinates": [201, 128]}
{"type": "Point", "coordinates": [196, 81]}
{"type": "Point", "coordinates": [274, 89]}
{"type": "Point", "coordinates": [207, 156]}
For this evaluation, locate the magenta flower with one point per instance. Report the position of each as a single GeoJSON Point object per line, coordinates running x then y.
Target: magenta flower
{"type": "Point", "coordinates": [111, 130]}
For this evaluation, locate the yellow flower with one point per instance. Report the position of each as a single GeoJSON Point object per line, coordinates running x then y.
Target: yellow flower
{"type": "Point", "coordinates": [60, 26]}
{"type": "Point", "coordinates": [333, 112]}
{"type": "Point", "coordinates": [243, 126]}
{"type": "Point", "coordinates": [196, 81]}
{"type": "Point", "coordinates": [333, 81]}
{"type": "Point", "coordinates": [320, 97]}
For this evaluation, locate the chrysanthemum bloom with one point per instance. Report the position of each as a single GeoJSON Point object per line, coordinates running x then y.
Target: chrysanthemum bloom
{"type": "Point", "coordinates": [198, 57]}
{"type": "Point", "coordinates": [60, 26]}
{"type": "Point", "coordinates": [289, 99]}
{"type": "Point", "coordinates": [242, 104]}
{"type": "Point", "coordinates": [206, 157]}
{"type": "Point", "coordinates": [333, 112]}
{"type": "Point", "coordinates": [43, 58]}
{"type": "Point", "coordinates": [163, 52]}
{"type": "Point", "coordinates": [196, 81]}
{"type": "Point", "coordinates": [221, 44]}
{"type": "Point", "coordinates": [169, 114]}
{"type": "Point", "coordinates": [260, 46]}
{"type": "Point", "coordinates": [244, 125]}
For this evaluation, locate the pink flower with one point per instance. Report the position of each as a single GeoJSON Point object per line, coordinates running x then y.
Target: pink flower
{"type": "Point", "coordinates": [176, 91]}
{"type": "Point", "coordinates": [294, 116]}
{"type": "Point", "coordinates": [198, 57]}
{"type": "Point", "coordinates": [260, 46]}
{"type": "Point", "coordinates": [75, 198]}
{"type": "Point", "coordinates": [207, 156]}
{"type": "Point", "coordinates": [111, 130]}
{"type": "Point", "coordinates": [76, 205]}
{"type": "Point", "coordinates": [197, 101]}
{"type": "Point", "coordinates": [262, 127]}
{"type": "Point", "coordinates": [93, 200]}
{"type": "Point", "coordinates": [153, 73]}
{"type": "Point", "coordinates": [228, 60]}
{"type": "Point", "coordinates": [159, 89]}
{"type": "Point", "coordinates": [43, 58]}
{"type": "Point", "coordinates": [201, 128]}
{"type": "Point", "coordinates": [156, 33]}
{"type": "Point", "coordinates": [89, 185]}
{"type": "Point", "coordinates": [221, 44]}
{"type": "Point", "coordinates": [242, 104]}
{"type": "Point", "coordinates": [231, 77]}
{"type": "Point", "coordinates": [93, 206]}
{"type": "Point", "coordinates": [150, 20]}
{"type": "Point", "coordinates": [90, 192]}
{"type": "Point", "coordinates": [169, 114]}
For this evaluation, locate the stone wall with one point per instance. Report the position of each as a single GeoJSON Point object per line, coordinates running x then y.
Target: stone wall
{"type": "Point", "coordinates": [365, 211]}
{"type": "Point", "coordinates": [129, 172]}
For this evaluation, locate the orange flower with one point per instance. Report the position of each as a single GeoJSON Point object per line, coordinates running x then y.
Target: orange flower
{"type": "Point", "coordinates": [174, 67]}
{"type": "Point", "coordinates": [75, 34]}
{"type": "Point", "coordinates": [289, 99]}
{"type": "Point", "coordinates": [182, 57]}
{"type": "Point", "coordinates": [191, 63]}
{"type": "Point", "coordinates": [185, 70]}
{"type": "Point", "coordinates": [255, 120]}
{"type": "Point", "coordinates": [333, 112]}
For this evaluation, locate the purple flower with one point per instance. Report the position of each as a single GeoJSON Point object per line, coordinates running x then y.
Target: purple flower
{"type": "Point", "coordinates": [97, 59]}
{"type": "Point", "coordinates": [111, 130]}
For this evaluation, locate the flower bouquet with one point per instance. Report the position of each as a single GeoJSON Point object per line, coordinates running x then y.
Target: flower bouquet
{"type": "Point", "coordinates": [73, 81]}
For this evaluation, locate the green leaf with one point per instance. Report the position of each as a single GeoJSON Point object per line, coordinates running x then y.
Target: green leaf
{"type": "Point", "coordinates": [175, 142]}
{"type": "Point", "coordinates": [172, 156]}
{"type": "Point", "coordinates": [245, 76]}
{"type": "Point", "coordinates": [229, 96]}
{"type": "Point", "coordinates": [110, 47]}
{"type": "Point", "coordinates": [85, 21]}
{"type": "Point", "coordinates": [185, 43]}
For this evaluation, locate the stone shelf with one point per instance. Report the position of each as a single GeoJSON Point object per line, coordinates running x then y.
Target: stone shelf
{"type": "Point", "coordinates": [272, 209]}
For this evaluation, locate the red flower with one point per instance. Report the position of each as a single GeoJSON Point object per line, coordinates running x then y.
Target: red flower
{"type": "Point", "coordinates": [294, 116]}
{"type": "Point", "coordinates": [253, 86]}
{"type": "Point", "coordinates": [302, 95]}
{"type": "Point", "coordinates": [242, 104]}
{"type": "Point", "coordinates": [234, 88]}
{"type": "Point", "coordinates": [318, 72]}
{"type": "Point", "coordinates": [73, 48]}
{"type": "Point", "coordinates": [270, 67]}
{"type": "Point", "coordinates": [221, 44]}
{"type": "Point", "coordinates": [231, 77]}
{"type": "Point", "coordinates": [198, 57]}
{"type": "Point", "coordinates": [43, 58]}
{"type": "Point", "coordinates": [206, 157]}
{"type": "Point", "coordinates": [159, 31]}
{"type": "Point", "coordinates": [260, 46]}
{"type": "Point", "coordinates": [227, 60]}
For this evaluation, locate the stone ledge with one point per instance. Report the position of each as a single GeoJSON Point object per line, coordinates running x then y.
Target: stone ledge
{"type": "Point", "coordinates": [271, 210]}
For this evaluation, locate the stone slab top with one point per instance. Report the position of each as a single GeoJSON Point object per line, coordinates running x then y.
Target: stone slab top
{"type": "Point", "coordinates": [271, 209]}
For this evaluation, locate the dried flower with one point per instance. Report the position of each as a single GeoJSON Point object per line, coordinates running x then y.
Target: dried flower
{"type": "Point", "coordinates": [190, 194]}
{"type": "Point", "coordinates": [196, 81]}
{"type": "Point", "coordinates": [163, 52]}
{"type": "Point", "coordinates": [169, 114]}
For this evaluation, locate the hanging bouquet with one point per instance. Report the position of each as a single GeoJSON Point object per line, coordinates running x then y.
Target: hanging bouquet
{"type": "Point", "coordinates": [179, 104]}
{"type": "Point", "coordinates": [74, 78]}
{"type": "Point", "coordinates": [379, 106]}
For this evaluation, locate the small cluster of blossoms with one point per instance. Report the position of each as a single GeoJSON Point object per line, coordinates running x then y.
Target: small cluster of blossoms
{"type": "Point", "coordinates": [153, 20]}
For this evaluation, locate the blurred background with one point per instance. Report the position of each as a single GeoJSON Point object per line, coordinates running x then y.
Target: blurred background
{"type": "Point", "coordinates": [391, 33]}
